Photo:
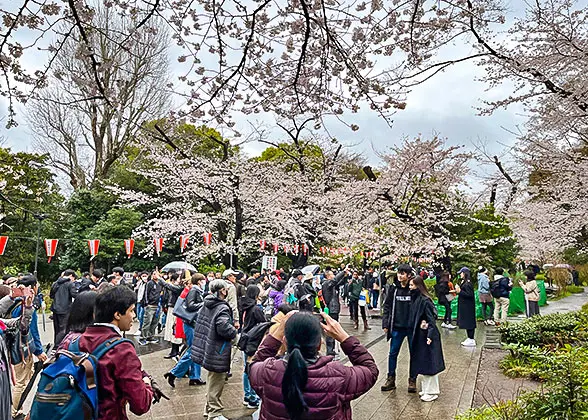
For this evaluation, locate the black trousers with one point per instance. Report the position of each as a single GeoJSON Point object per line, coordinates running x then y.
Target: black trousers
{"type": "Point", "coordinates": [447, 306]}
{"type": "Point", "coordinates": [354, 310]}
{"type": "Point", "coordinates": [471, 333]}
{"type": "Point", "coordinates": [59, 326]}
{"type": "Point", "coordinates": [331, 341]}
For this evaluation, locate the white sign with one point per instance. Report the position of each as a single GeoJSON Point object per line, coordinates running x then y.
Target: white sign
{"type": "Point", "coordinates": [269, 262]}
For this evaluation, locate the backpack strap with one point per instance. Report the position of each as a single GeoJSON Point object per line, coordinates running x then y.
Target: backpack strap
{"type": "Point", "coordinates": [74, 345]}
{"type": "Point", "coordinates": [107, 345]}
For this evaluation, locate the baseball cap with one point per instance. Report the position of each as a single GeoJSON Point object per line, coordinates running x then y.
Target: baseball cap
{"type": "Point", "coordinates": [463, 270]}
{"type": "Point", "coordinates": [229, 272]}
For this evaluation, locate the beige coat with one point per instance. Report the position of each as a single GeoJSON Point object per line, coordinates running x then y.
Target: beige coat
{"type": "Point", "coordinates": [531, 290]}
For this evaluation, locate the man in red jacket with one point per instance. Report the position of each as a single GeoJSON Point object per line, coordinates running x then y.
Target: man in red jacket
{"type": "Point", "coordinates": [121, 379]}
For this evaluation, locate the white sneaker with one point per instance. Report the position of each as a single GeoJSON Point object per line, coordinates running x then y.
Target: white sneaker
{"type": "Point", "coordinates": [221, 417]}
{"type": "Point", "coordinates": [490, 322]}
{"type": "Point", "coordinates": [469, 342]}
{"type": "Point", "coordinates": [429, 397]}
{"type": "Point", "coordinates": [443, 325]}
{"type": "Point", "coordinates": [451, 326]}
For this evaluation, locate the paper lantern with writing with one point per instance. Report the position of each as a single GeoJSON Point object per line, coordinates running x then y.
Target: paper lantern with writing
{"type": "Point", "coordinates": [129, 246]}
{"type": "Point", "coordinates": [51, 248]}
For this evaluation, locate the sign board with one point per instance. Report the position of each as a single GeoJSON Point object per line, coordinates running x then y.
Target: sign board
{"type": "Point", "coordinates": [269, 262]}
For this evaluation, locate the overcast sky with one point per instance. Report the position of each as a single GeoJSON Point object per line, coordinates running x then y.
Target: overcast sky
{"type": "Point", "coordinates": [445, 105]}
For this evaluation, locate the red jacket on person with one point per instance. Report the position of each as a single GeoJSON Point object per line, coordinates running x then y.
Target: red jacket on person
{"type": "Point", "coordinates": [330, 387]}
{"type": "Point", "coordinates": [120, 376]}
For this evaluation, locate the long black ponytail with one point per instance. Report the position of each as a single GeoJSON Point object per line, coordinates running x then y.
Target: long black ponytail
{"type": "Point", "coordinates": [303, 335]}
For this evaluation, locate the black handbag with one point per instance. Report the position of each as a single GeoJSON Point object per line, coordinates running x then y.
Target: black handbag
{"type": "Point", "coordinates": [184, 314]}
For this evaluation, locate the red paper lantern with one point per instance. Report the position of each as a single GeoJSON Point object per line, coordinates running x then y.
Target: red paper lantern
{"type": "Point", "coordinates": [129, 246]}
{"type": "Point", "coordinates": [296, 249]}
{"type": "Point", "coordinates": [51, 248]}
{"type": "Point", "coordinates": [207, 238]}
{"type": "Point", "coordinates": [158, 242]}
{"type": "Point", "coordinates": [94, 246]}
{"type": "Point", "coordinates": [184, 242]}
{"type": "Point", "coordinates": [262, 244]}
{"type": "Point", "coordinates": [305, 249]}
{"type": "Point", "coordinates": [3, 242]}
{"type": "Point", "coordinates": [276, 248]}
{"type": "Point", "coordinates": [286, 249]}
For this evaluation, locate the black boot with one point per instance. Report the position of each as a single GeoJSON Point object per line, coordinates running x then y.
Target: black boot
{"type": "Point", "coordinates": [365, 325]}
{"type": "Point", "coordinates": [174, 351]}
{"type": "Point", "coordinates": [171, 379]}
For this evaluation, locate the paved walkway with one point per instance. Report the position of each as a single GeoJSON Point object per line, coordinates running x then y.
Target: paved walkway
{"type": "Point", "coordinates": [457, 382]}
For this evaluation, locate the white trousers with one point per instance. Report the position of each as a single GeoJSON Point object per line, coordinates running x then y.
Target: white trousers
{"type": "Point", "coordinates": [430, 384]}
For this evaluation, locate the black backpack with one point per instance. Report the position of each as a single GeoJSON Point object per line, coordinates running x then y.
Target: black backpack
{"type": "Point", "coordinates": [495, 288]}
{"type": "Point", "coordinates": [250, 340]}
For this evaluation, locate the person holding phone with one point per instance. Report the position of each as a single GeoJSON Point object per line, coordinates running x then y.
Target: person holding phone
{"type": "Point", "coordinates": [28, 344]}
{"type": "Point", "coordinates": [22, 323]}
{"type": "Point", "coordinates": [305, 384]}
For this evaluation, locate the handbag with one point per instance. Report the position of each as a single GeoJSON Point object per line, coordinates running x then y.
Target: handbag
{"type": "Point", "coordinates": [184, 314]}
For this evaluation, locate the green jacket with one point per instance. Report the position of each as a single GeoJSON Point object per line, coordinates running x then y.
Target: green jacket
{"type": "Point", "coordinates": [355, 288]}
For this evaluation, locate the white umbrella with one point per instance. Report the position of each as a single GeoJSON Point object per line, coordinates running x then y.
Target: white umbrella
{"type": "Point", "coordinates": [313, 269]}
{"type": "Point", "coordinates": [179, 266]}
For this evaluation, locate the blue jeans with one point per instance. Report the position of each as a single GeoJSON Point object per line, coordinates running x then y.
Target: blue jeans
{"type": "Point", "coordinates": [398, 337]}
{"type": "Point", "coordinates": [140, 309]}
{"type": "Point", "coordinates": [185, 364]}
{"type": "Point", "coordinates": [250, 394]}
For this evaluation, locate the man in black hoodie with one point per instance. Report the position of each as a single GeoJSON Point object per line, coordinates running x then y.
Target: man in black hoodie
{"type": "Point", "coordinates": [62, 292]}
{"type": "Point", "coordinates": [395, 323]}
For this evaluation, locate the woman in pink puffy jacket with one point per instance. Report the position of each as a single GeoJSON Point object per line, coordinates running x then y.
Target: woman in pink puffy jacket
{"type": "Point", "coordinates": [303, 384]}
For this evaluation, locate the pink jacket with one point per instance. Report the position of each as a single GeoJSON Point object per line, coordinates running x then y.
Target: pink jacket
{"type": "Point", "coordinates": [330, 388]}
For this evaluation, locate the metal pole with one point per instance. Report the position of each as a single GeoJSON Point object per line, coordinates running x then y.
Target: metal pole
{"type": "Point", "coordinates": [38, 238]}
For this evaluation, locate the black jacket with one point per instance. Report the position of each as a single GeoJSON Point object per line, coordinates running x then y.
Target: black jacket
{"type": "Point", "coordinates": [331, 292]}
{"type": "Point", "coordinates": [213, 333]}
{"type": "Point", "coordinates": [466, 307]}
{"type": "Point", "coordinates": [441, 290]}
{"type": "Point", "coordinates": [252, 314]}
{"type": "Point", "coordinates": [303, 290]}
{"type": "Point", "coordinates": [152, 293]}
{"type": "Point", "coordinates": [174, 292]}
{"type": "Point", "coordinates": [194, 297]}
{"type": "Point", "coordinates": [62, 292]}
{"type": "Point", "coordinates": [395, 292]}
{"type": "Point", "coordinates": [425, 359]}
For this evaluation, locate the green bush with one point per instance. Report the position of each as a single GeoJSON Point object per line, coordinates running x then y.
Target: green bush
{"type": "Point", "coordinates": [564, 397]}
{"type": "Point", "coordinates": [524, 362]}
{"type": "Point", "coordinates": [553, 330]}
{"type": "Point", "coordinates": [575, 289]}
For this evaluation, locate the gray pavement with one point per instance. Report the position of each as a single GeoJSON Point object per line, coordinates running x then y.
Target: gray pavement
{"type": "Point", "coordinates": [457, 381]}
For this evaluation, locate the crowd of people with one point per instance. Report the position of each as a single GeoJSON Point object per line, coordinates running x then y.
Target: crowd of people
{"type": "Point", "coordinates": [276, 321]}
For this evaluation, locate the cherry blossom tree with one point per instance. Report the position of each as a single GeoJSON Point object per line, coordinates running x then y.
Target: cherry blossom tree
{"type": "Point", "coordinates": [239, 200]}
{"type": "Point", "coordinates": [409, 204]}
{"type": "Point", "coordinates": [316, 57]}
